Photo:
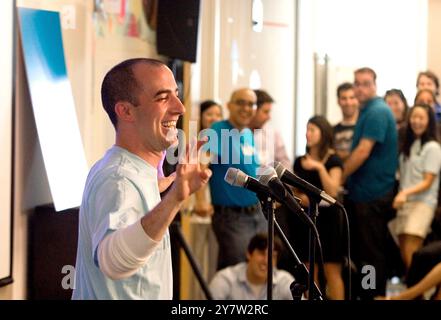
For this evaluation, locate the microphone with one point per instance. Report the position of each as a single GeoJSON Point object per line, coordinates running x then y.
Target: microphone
{"type": "Point", "coordinates": [295, 181]}
{"type": "Point", "coordinates": [238, 178]}
{"type": "Point", "coordinates": [272, 186]}
{"type": "Point", "coordinates": [280, 193]}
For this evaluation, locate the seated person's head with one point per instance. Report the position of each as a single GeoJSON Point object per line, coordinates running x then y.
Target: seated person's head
{"type": "Point", "coordinates": [257, 257]}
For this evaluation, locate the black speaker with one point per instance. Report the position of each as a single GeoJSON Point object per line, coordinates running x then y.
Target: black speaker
{"type": "Point", "coordinates": [53, 238]}
{"type": "Point", "coordinates": [177, 29]}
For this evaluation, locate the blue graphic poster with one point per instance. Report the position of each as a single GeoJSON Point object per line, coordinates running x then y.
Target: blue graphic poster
{"type": "Point", "coordinates": [53, 106]}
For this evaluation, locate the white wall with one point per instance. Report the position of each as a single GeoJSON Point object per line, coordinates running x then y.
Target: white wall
{"type": "Point", "coordinates": [230, 52]}
{"type": "Point", "coordinates": [433, 41]}
{"type": "Point", "coordinates": [389, 36]}
{"type": "Point", "coordinates": [305, 76]}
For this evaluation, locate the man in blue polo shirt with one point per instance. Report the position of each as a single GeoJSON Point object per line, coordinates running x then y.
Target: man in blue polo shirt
{"type": "Point", "coordinates": [371, 170]}
{"type": "Point", "coordinates": [237, 213]}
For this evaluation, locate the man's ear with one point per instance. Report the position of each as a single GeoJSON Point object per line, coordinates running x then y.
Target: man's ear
{"type": "Point", "coordinates": [229, 106]}
{"type": "Point", "coordinates": [124, 112]}
{"type": "Point", "coordinates": [248, 256]}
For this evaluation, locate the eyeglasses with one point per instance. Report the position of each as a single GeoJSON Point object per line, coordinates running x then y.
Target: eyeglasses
{"type": "Point", "coordinates": [363, 84]}
{"type": "Point", "coordinates": [244, 103]}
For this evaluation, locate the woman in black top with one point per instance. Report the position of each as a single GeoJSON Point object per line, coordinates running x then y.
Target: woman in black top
{"type": "Point", "coordinates": [323, 168]}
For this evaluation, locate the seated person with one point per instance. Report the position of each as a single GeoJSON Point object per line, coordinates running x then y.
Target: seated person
{"type": "Point", "coordinates": [432, 279]}
{"type": "Point", "coordinates": [424, 260]}
{"type": "Point", "coordinates": [248, 280]}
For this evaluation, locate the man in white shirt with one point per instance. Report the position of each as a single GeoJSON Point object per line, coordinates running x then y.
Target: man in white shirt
{"type": "Point", "coordinates": [269, 142]}
{"type": "Point", "coordinates": [248, 280]}
{"type": "Point", "coordinates": [124, 245]}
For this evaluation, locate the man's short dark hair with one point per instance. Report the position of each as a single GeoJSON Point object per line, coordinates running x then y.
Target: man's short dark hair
{"type": "Point", "coordinates": [120, 84]}
{"type": "Point", "coordinates": [367, 70]}
{"type": "Point", "coordinates": [260, 242]}
{"type": "Point", "coordinates": [262, 97]}
{"type": "Point", "coordinates": [344, 87]}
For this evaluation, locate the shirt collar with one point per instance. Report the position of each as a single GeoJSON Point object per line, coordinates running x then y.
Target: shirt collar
{"type": "Point", "coordinates": [368, 103]}
{"type": "Point", "coordinates": [138, 162]}
{"type": "Point", "coordinates": [242, 275]}
{"type": "Point", "coordinates": [233, 127]}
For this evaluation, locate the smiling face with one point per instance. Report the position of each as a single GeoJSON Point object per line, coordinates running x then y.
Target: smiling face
{"type": "Point", "coordinates": [425, 97]}
{"type": "Point", "coordinates": [242, 107]}
{"type": "Point", "coordinates": [313, 135]}
{"type": "Point", "coordinates": [158, 109]}
{"type": "Point", "coordinates": [397, 106]}
{"type": "Point", "coordinates": [424, 82]}
{"type": "Point", "coordinates": [348, 103]}
{"type": "Point", "coordinates": [419, 121]}
{"type": "Point", "coordinates": [257, 269]}
{"type": "Point", "coordinates": [211, 115]}
{"type": "Point", "coordinates": [263, 114]}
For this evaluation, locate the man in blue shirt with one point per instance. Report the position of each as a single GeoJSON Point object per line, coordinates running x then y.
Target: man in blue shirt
{"type": "Point", "coordinates": [371, 169]}
{"type": "Point", "coordinates": [237, 214]}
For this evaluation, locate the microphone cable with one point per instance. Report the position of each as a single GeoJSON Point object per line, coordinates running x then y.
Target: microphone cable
{"type": "Point", "coordinates": [348, 235]}
{"type": "Point", "coordinates": [314, 230]}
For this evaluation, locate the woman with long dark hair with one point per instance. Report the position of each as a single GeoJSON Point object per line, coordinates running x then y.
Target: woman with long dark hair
{"type": "Point", "coordinates": [323, 168]}
{"type": "Point", "coordinates": [397, 102]}
{"type": "Point", "coordinates": [420, 163]}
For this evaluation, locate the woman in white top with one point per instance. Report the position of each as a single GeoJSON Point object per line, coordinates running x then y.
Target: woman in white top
{"type": "Point", "coordinates": [420, 163]}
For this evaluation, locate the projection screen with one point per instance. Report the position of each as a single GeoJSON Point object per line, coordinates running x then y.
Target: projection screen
{"type": "Point", "coordinates": [6, 105]}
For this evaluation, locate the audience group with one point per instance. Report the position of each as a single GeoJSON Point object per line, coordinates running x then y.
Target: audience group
{"type": "Point", "coordinates": [382, 161]}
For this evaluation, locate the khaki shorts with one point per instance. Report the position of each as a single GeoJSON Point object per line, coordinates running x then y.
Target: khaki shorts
{"type": "Point", "coordinates": [414, 218]}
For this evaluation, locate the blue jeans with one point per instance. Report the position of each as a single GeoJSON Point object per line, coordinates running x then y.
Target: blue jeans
{"type": "Point", "coordinates": [234, 230]}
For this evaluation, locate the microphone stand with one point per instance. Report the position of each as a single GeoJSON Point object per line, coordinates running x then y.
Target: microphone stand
{"type": "Point", "coordinates": [298, 287]}
{"type": "Point", "coordinates": [175, 228]}
{"type": "Point", "coordinates": [313, 211]}
{"type": "Point", "coordinates": [268, 208]}
{"type": "Point", "coordinates": [301, 274]}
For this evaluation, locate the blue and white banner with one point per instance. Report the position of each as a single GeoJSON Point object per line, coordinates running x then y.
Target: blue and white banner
{"type": "Point", "coordinates": [53, 106]}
